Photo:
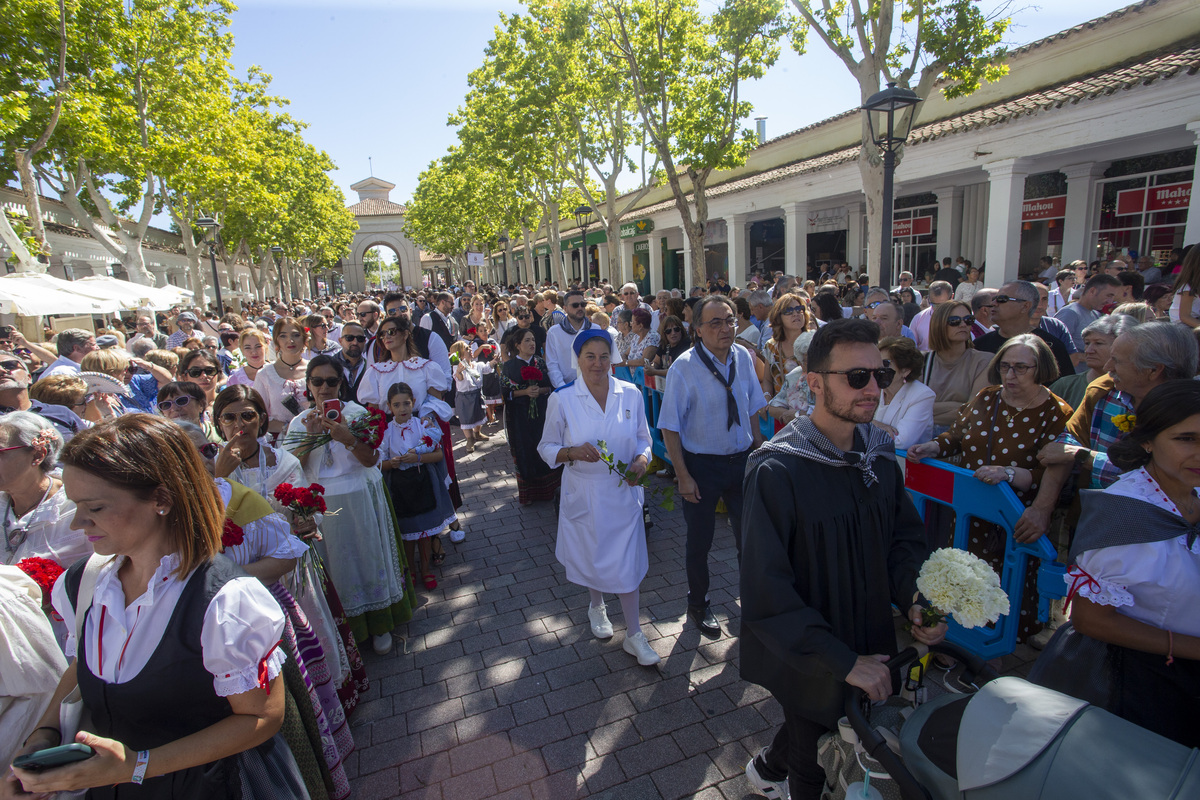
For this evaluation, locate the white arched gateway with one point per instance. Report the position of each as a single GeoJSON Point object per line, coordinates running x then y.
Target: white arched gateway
{"type": "Point", "coordinates": [380, 223]}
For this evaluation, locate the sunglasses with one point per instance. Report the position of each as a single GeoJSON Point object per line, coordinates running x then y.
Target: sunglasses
{"type": "Point", "coordinates": [1001, 299]}
{"type": "Point", "coordinates": [793, 310]}
{"type": "Point", "coordinates": [673, 330]}
{"type": "Point", "coordinates": [11, 365]}
{"type": "Point", "coordinates": [524, 316]}
{"type": "Point", "coordinates": [208, 372]}
{"type": "Point", "coordinates": [876, 304]}
{"type": "Point", "coordinates": [246, 416]}
{"type": "Point", "coordinates": [577, 305]}
{"type": "Point", "coordinates": [349, 337]}
{"type": "Point", "coordinates": [859, 378]}
{"type": "Point", "coordinates": [397, 311]}
{"type": "Point", "coordinates": [178, 402]}
{"type": "Point", "coordinates": [319, 382]}
{"type": "Point", "coordinates": [956, 320]}
{"type": "Point", "coordinates": [209, 450]}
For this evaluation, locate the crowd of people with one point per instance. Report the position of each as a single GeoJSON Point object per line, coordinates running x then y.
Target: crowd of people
{"type": "Point", "coordinates": [312, 444]}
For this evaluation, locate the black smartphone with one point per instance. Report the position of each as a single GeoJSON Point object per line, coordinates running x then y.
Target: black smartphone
{"type": "Point", "coordinates": [53, 757]}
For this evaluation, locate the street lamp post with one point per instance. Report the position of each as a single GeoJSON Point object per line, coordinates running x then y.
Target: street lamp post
{"type": "Point", "coordinates": [277, 254]}
{"type": "Point", "coordinates": [580, 214]}
{"type": "Point", "coordinates": [882, 108]}
{"type": "Point", "coordinates": [502, 241]}
{"type": "Point", "coordinates": [212, 231]}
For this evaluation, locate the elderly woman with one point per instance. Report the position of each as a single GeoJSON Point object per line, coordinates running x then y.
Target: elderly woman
{"type": "Point", "coordinates": [998, 435]}
{"type": "Point", "coordinates": [1135, 579]}
{"type": "Point", "coordinates": [623, 322]}
{"type": "Point", "coordinates": [601, 537]}
{"type": "Point", "coordinates": [281, 383]}
{"type": "Point", "coordinates": [643, 342]}
{"type": "Point", "coordinates": [252, 343]}
{"type": "Point", "coordinates": [905, 410]}
{"type": "Point", "coordinates": [360, 544]}
{"type": "Point", "coordinates": [526, 395]}
{"type": "Point", "coordinates": [178, 660]}
{"type": "Point", "coordinates": [1098, 338]}
{"type": "Point", "coordinates": [972, 282]}
{"type": "Point", "coordinates": [954, 369]}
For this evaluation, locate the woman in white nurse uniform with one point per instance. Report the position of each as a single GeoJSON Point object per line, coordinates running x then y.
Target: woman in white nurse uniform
{"type": "Point", "coordinates": [601, 538]}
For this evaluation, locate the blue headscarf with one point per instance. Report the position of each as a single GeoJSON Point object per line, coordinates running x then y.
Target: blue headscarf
{"type": "Point", "coordinates": [583, 337]}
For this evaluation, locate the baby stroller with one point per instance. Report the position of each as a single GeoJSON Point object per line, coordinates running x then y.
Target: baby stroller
{"type": "Point", "coordinates": [1014, 739]}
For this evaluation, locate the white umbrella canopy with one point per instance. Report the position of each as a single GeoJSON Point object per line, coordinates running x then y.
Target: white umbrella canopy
{"type": "Point", "coordinates": [36, 294]}
{"type": "Point", "coordinates": [131, 295]}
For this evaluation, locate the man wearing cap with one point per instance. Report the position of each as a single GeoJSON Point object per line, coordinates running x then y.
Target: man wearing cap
{"type": "Point", "coordinates": [708, 424]}
{"type": "Point", "coordinates": [73, 344]}
{"type": "Point", "coordinates": [187, 325]}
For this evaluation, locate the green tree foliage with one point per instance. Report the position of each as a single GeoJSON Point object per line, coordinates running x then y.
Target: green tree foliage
{"type": "Point", "coordinates": [916, 44]}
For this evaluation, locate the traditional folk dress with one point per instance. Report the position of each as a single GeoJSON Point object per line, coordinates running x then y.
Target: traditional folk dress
{"type": "Point", "coordinates": [524, 422]}
{"type": "Point", "coordinates": [601, 536]}
{"type": "Point", "coordinates": [423, 437]}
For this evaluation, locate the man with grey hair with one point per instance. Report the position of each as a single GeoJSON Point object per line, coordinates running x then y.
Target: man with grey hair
{"type": "Point", "coordinates": [939, 292]}
{"type": "Point", "coordinates": [1013, 311]}
{"type": "Point", "coordinates": [14, 396]}
{"type": "Point", "coordinates": [73, 344]}
{"type": "Point", "coordinates": [760, 310]}
{"type": "Point", "coordinates": [140, 347]}
{"type": "Point", "coordinates": [1141, 358]}
{"type": "Point", "coordinates": [906, 279]}
{"type": "Point", "coordinates": [144, 323]}
{"type": "Point", "coordinates": [875, 304]}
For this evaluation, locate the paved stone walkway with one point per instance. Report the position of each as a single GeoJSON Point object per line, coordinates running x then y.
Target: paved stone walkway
{"type": "Point", "coordinates": [503, 692]}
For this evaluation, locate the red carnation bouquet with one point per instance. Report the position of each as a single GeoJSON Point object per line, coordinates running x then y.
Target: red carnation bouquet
{"type": "Point", "coordinates": [532, 377]}
{"type": "Point", "coordinates": [231, 535]}
{"type": "Point", "coordinates": [485, 353]}
{"type": "Point", "coordinates": [368, 428]}
{"type": "Point", "coordinates": [44, 573]}
{"type": "Point", "coordinates": [305, 502]}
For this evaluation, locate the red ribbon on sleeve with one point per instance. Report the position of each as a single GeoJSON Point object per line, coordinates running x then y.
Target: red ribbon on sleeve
{"type": "Point", "coordinates": [263, 682]}
{"type": "Point", "coordinates": [1079, 579]}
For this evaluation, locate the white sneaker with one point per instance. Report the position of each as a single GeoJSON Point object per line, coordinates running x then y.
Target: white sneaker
{"type": "Point", "coordinates": [382, 643]}
{"type": "Point", "coordinates": [636, 645]}
{"type": "Point", "coordinates": [457, 536]}
{"type": "Point", "coordinates": [601, 627]}
{"type": "Point", "coordinates": [776, 790]}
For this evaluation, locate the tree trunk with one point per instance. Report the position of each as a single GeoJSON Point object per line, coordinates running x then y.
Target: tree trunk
{"type": "Point", "coordinates": [8, 235]}
{"type": "Point", "coordinates": [33, 205]}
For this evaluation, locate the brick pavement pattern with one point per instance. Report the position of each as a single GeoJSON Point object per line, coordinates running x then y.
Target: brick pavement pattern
{"type": "Point", "coordinates": [501, 691]}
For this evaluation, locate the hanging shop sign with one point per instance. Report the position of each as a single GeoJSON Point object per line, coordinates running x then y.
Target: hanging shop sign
{"type": "Point", "coordinates": [1167, 197]}
{"type": "Point", "coordinates": [541, 250]}
{"type": "Point", "coordinates": [1044, 208]}
{"type": "Point", "coordinates": [915, 226]}
{"type": "Point", "coordinates": [636, 228]}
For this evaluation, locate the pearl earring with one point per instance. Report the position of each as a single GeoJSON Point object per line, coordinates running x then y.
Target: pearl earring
{"type": "Point", "coordinates": [162, 511]}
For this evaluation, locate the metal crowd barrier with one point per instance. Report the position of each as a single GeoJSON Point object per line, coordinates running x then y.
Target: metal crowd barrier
{"type": "Point", "coordinates": [944, 484]}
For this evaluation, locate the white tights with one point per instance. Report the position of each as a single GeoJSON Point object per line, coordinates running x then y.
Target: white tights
{"type": "Point", "coordinates": [629, 608]}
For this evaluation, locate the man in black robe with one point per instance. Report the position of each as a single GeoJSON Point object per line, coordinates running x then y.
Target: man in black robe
{"type": "Point", "coordinates": [830, 542]}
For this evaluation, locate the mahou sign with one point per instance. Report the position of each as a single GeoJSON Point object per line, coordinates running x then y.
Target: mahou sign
{"type": "Point", "coordinates": [1168, 197]}
{"type": "Point", "coordinates": [1044, 208]}
{"type": "Point", "coordinates": [916, 226]}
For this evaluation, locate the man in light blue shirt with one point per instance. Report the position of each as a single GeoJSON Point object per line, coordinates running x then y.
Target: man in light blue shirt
{"type": "Point", "coordinates": [708, 425]}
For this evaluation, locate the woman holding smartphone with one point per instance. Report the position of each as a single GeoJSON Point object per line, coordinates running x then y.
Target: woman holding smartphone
{"type": "Point", "coordinates": [176, 709]}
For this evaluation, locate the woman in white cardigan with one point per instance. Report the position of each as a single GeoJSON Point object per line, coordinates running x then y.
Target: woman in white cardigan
{"type": "Point", "coordinates": [906, 406]}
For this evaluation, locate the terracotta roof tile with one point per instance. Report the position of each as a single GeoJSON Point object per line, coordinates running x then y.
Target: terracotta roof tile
{"type": "Point", "coordinates": [374, 207]}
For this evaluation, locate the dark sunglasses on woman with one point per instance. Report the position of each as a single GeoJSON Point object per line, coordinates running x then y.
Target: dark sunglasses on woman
{"type": "Point", "coordinates": [209, 450]}
{"type": "Point", "coordinates": [196, 372]}
{"type": "Point", "coordinates": [956, 320]}
{"type": "Point", "coordinates": [319, 382]}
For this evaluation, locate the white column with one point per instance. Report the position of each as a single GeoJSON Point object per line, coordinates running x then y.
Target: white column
{"type": "Point", "coordinates": [656, 265]}
{"type": "Point", "coordinates": [1006, 184]}
{"type": "Point", "coordinates": [854, 235]}
{"type": "Point", "coordinates": [602, 249]}
{"type": "Point", "coordinates": [626, 261]}
{"type": "Point", "coordinates": [1191, 232]}
{"type": "Point", "coordinates": [795, 239]}
{"type": "Point", "coordinates": [739, 249]}
{"type": "Point", "coordinates": [688, 283]}
{"type": "Point", "coordinates": [1081, 210]}
{"type": "Point", "coordinates": [160, 275]}
{"type": "Point", "coordinates": [949, 222]}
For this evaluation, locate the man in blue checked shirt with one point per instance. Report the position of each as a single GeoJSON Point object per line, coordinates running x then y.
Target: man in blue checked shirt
{"type": "Point", "coordinates": [707, 422]}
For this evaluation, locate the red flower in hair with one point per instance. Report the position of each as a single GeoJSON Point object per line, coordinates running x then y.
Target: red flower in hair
{"type": "Point", "coordinates": [232, 535]}
{"type": "Point", "coordinates": [427, 441]}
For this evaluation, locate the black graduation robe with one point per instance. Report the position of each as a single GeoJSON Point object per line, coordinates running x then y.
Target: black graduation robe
{"type": "Point", "coordinates": [823, 559]}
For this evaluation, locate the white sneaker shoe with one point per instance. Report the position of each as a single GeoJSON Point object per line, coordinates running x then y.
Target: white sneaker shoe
{"type": "Point", "coordinates": [601, 627]}
{"type": "Point", "coordinates": [637, 646]}
{"type": "Point", "coordinates": [382, 643]}
{"type": "Point", "coordinates": [457, 536]}
{"type": "Point", "coordinates": [775, 790]}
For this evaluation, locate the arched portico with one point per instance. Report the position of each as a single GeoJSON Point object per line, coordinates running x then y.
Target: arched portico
{"type": "Point", "coordinates": [380, 223]}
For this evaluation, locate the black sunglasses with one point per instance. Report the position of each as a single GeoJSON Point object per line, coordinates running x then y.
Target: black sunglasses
{"type": "Point", "coordinates": [196, 372]}
{"type": "Point", "coordinates": [319, 382]}
{"type": "Point", "coordinates": [673, 330]}
{"type": "Point", "coordinates": [352, 338]}
{"type": "Point", "coordinates": [11, 365]}
{"type": "Point", "coordinates": [178, 402]}
{"type": "Point", "coordinates": [877, 303]}
{"type": "Point", "coordinates": [1001, 299]}
{"type": "Point", "coordinates": [956, 320]}
{"type": "Point", "coordinates": [397, 311]}
{"type": "Point", "coordinates": [210, 449]}
{"type": "Point", "coordinates": [858, 378]}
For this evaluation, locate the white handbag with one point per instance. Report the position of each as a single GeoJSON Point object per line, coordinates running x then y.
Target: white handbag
{"type": "Point", "coordinates": [72, 716]}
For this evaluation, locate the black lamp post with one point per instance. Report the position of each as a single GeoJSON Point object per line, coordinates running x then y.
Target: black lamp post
{"type": "Point", "coordinates": [581, 214]}
{"type": "Point", "coordinates": [882, 108]}
{"type": "Point", "coordinates": [502, 241]}
{"type": "Point", "coordinates": [277, 254]}
{"type": "Point", "coordinates": [212, 229]}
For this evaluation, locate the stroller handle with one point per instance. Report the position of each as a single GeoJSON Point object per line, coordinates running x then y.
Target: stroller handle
{"type": "Point", "coordinates": [858, 710]}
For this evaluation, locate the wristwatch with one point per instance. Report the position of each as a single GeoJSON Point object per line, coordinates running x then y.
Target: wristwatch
{"type": "Point", "coordinates": [1081, 455]}
{"type": "Point", "coordinates": [1009, 474]}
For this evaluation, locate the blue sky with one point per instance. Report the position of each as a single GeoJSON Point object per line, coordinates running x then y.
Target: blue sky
{"type": "Point", "coordinates": [377, 78]}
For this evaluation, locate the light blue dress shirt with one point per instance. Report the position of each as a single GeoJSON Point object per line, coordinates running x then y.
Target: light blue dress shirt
{"type": "Point", "coordinates": [694, 404]}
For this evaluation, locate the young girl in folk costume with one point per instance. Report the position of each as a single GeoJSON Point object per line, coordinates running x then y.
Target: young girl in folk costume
{"type": "Point", "coordinates": [487, 358]}
{"type": "Point", "coordinates": [468, 401]}
{"type": "Point", "coordinates": [414, 470]}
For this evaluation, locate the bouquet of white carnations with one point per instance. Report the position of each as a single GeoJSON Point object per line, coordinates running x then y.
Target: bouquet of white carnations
{"type": "Point", "coordinates": [959, 584]}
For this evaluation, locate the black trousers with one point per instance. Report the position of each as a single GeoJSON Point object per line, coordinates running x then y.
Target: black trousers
{"type": "Point", "coordinates": [716, 477]}
{"type": "Point", "coordinates": [794, 753]}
